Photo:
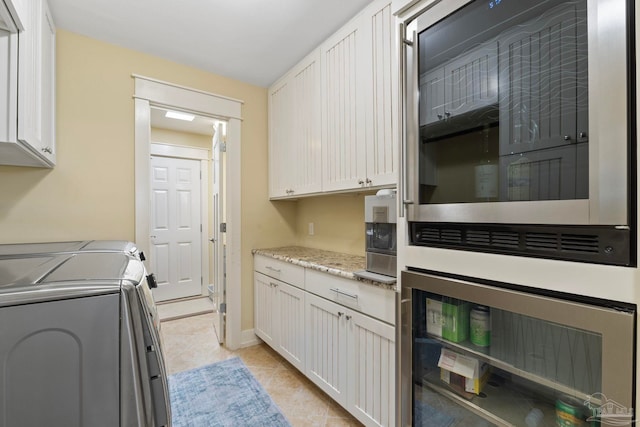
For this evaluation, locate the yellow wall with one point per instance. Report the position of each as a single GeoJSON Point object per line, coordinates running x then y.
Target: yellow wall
{"type": "Point", "coordinates": [90, 193]}
{"type": "Point", "coordinates": [187, 139]}
{"type": "Point", "coordinates": [338, 223]}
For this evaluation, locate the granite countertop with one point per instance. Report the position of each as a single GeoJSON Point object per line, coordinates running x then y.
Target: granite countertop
{"type": "Point", "coordinates": [336, 263]}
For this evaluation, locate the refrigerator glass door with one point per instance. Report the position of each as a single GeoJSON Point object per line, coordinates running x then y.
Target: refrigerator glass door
{"type": "Point", "coordinates": [479, 355]}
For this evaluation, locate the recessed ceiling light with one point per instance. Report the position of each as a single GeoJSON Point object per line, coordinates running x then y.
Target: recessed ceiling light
{"type": "Point", "coordinates": [180, 116]}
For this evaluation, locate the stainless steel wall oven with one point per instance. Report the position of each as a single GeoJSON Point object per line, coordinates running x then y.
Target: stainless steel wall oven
{"type": "Point", "coordinates": [520, 127]}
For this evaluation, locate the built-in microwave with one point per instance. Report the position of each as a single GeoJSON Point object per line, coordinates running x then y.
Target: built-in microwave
{"type": "Point", "coordinates": [520, 127]}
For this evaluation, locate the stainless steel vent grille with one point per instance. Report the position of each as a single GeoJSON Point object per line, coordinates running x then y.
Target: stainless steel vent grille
{"type": "Point", "coordinates": [505, 239]}
{"type": "Point", "coordinates": [479, 237]}
{"type": "Point", "coordinates": [451, 236]}
{"type": "Point", "coordinates": [541, 241]}
{"type": "Point", "coordinates": [573, 242]}
{"type": "Point", "coordinates": [597, 244]}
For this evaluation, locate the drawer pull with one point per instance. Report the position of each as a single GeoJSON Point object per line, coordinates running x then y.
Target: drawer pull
{"type": "Point", "coordinates": [268, 267]}
{"type": "Point", "coordinates": [338, 291]}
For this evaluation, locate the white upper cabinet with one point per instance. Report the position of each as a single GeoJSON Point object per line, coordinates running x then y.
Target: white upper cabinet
{"type": "Point", "coordinates": [465, 84]}
{"type": "Point", "coordinates": [381, 124]}
{"type": "Point", "coordinates": [358, 129]}
{"type": "Point", "coordinates": [29, 73]}
{"type": "Point", "coordinates": [343, 114]}
{"type": "Point", "coordinates": [294, 131]}
{"type": "Point", "coordinates": [331, 121]}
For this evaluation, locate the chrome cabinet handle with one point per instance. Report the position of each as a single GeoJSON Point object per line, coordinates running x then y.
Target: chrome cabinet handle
{"type": "Point", "coordinates": [567, 137]}
{"type": "Point", "coordinates": [340, 314]}
{"type": "Point", "coordinates": [582, 134]}
{"type": "Point", "coordinates": [447, 113]}
{"type": "Point", "coordinates": [368, 181]}
{"type": "Point", "coordinates": [361, 182]}
{"type": "Point", "coordinates": [273, 285]}
{"type": "Point", "coordinates": [439, 116]}
{"type": "Point", "coordinates": [348, 317]}
{"type": "Point", "coordinates": [268, 267]}
{"type": "Point", "coordinates": [338, 291]}
{"type": "Point", "coordinates": [47, 150]}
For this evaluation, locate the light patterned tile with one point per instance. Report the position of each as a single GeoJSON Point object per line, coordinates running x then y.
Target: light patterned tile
{"type": "Point", "coordinates": [191, 342]}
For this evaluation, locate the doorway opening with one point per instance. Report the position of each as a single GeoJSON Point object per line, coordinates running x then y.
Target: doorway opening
{"type": "Point", "coordinates": [218, 250]}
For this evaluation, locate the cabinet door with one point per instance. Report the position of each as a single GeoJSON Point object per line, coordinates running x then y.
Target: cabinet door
{"type": "Point", "coordinates": [539, 81]}
{"type": "Point", "coordinates": [290, 311]}
{"type": "Point", "coordinates": [48, 88]}
{"type": "Point", "coordinates": [280, 130]}
{"type": "Point", "coordinates": [36, 80]}
{"type": "Point", "coordinates": [381, 127]}
{"type": "Point", "coordinates": [265, 294]}
{"type": "Point", "coordinates": [471, 80]}
{"type": "Point", "coordinates": [432, 96]}
{"type": "Point", "coordinates": [295, 160]}
{"type": "Point", "coordinates": [541, 175]}
{"type": "Point", "coordinates": [343, 118]}
{"type": "Point", "coordinates": [305, 141]}
{"type": "Point", "coordinates": [371, 370]}
{"type": "Point", "coordinates": [326, 346]}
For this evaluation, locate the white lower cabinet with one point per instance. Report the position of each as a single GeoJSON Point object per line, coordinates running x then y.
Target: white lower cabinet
{"type": "Point", "coordinates": [330, 329]}
{"type": "Point", "coordinates": [264, 296]}
{"type": "Point", "coordinates": [327, 346]}
{"type": "Point", "coordinates": [351, 357]}
{"type": "Point", "coordinates": [279, 317]}
{"type": "Point", "coordinates": [371, 364]}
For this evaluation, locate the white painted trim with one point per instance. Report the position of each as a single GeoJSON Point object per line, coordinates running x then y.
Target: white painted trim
{"type": "Point", "coordinates": [193, 100]}
{"type": "Point", "coordinates": [205, 253]}
{"type": "Point", "coordinates": [164, 83]}
{"type": "Point", "coordinates": [150, 92]}
{"type": "Point", "coordinates": [249, 338]}
{"type": "Point", "coordinates": [142, 173]}
{"type": "Point", "coordinates": [233, 236]}
{"type": "Point", "coordinates": [179, 151]}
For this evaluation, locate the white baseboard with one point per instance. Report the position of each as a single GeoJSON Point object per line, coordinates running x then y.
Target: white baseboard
{"type": "Point", "coordinates": [249, 338]}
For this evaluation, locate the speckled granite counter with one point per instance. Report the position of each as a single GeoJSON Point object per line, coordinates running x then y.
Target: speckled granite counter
{"type": "Point", "coordinates": [338, 264]}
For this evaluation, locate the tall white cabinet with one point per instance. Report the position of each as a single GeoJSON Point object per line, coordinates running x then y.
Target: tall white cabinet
{"type": "Point", "coordinates": [349, 114]}
{"type": "Point", "coordinates": [27, 125]}
{"type": "Point", "coordinates": [358, 136]}
{"type": "Point", "coordinates": [343, 118]}
{"type": "Point", "coordinates": [294, 131]}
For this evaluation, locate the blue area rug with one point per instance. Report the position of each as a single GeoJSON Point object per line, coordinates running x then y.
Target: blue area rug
{"type": "Point", "coordinates": [222, 394]}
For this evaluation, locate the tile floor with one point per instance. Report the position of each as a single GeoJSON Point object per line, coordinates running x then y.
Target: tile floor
{"type": "Point", "coordinates": [191, 342]}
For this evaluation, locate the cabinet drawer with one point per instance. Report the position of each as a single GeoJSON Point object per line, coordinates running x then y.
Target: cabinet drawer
{"type": "Point", "coordinates": [368, 299]}
{"type": "Point", "coordinates": [281, 270]}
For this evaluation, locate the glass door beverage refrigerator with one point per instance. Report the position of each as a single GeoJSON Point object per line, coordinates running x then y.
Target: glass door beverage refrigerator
{"type": "Point", "coordinates": [482, 354]}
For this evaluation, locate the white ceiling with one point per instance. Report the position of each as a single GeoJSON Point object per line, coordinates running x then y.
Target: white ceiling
{"type": "Point", "coordinates": [254, 41]}
{"type": "Point", "coordinates": [200, 125]}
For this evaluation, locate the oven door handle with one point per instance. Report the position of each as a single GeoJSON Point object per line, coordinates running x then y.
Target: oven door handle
{"type": "Point", "coordinates": [406, 45]}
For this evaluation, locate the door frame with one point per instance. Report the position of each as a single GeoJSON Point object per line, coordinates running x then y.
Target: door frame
{"type": "Point", "coordinates": [147, 92]}
{"type": "Point", "coordinates": [160, 149]}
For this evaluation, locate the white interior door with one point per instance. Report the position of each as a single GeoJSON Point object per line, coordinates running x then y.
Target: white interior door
{"type": "Point", "coordinates": [218, 239]}
{"type": "Point", "coordinates": [175, 222]}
